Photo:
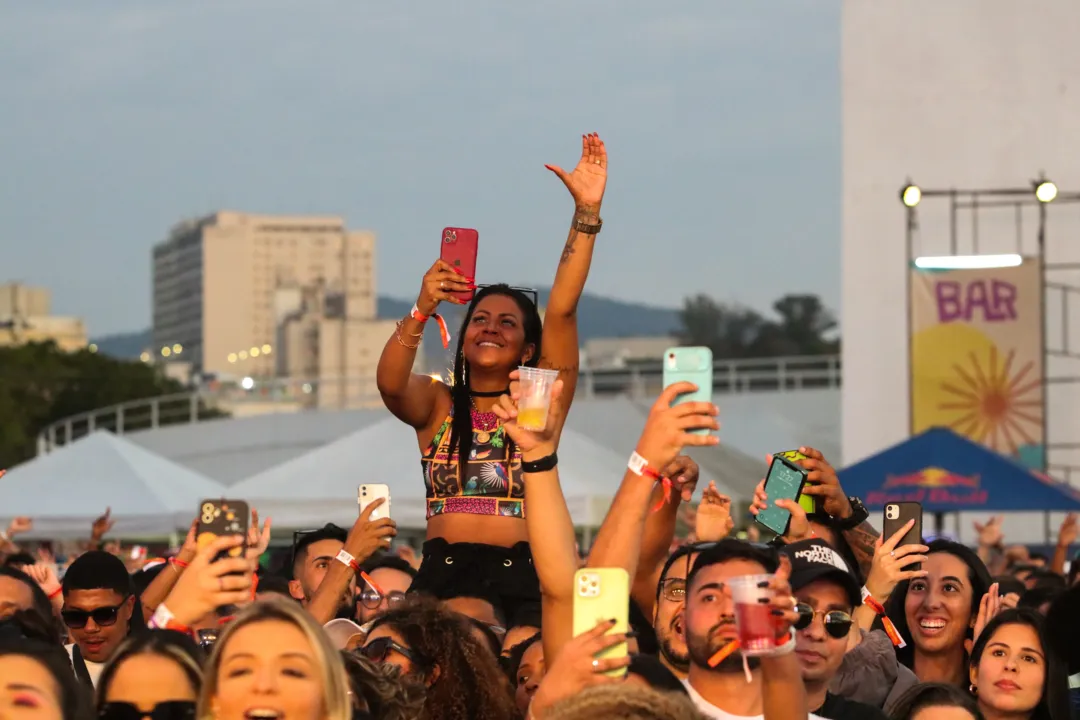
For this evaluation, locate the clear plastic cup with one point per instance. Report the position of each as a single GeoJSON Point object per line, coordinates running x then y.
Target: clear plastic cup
{"type": "Point", "coordinates": [535, 400]}
{"type": "Point", "coordinates": [756, 625]}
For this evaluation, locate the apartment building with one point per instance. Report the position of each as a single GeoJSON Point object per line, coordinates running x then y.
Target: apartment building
{"type": "Point", "coordinates": [228, 286]}
{"type": "Point", "coordinates": [26, 317]}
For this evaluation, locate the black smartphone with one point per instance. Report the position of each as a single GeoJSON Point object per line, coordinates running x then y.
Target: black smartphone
{"type": "Point", "coordinates": [218, 518]}
{"type": "Point", "coordinates": [785, 480]}
{"type": "Point", "coordinates": [896, 516]}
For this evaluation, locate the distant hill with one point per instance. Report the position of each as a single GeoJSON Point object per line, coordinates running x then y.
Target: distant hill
{"type": "Point", "coordinates": [598, 317]}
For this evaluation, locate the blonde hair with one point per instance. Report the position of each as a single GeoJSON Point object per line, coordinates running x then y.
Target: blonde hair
{"type": "Point", "coordinates": [624, 701]}
{"type": "Point", "coordinates": [334, 680]}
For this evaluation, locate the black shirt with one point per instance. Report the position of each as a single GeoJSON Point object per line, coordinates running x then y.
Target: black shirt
{"type": "Point", "coordinates": [837, 708]}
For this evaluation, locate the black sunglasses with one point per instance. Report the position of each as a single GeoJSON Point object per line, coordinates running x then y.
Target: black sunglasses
{"type": "Point", "coordinates": [103, 616]}
{"type": "Point", "coordinates": [527, 292]}
{"type": "Point", "coordinates": [168, 710]}
{"type": "Point", "coordinates": [379, 649]}
{"type": "Point", "coordinates": [371, 599]}
{"type": "Point", "coordinates": [837, 622]}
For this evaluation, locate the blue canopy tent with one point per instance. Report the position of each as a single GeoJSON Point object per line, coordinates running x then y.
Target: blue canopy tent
{"type": "Point", "coordinates": [946, 473]}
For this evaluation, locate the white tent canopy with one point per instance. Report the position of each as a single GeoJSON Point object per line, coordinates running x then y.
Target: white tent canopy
{"type": "Point", "coordinates": [64, 491]}
{"type": "Point", "coordinates": [321, 486]}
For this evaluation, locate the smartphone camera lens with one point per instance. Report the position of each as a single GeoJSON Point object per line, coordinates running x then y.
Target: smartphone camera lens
{"type": "Point", "coordinates": [446, 238]}
{"type": "Point", "coordinates": [453, 235]}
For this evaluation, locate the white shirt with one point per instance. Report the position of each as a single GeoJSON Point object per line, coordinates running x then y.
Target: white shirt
{"type": "Point", "coordinates": [93, 668]}
{"type": "Point", "coordinates": [709, 710]}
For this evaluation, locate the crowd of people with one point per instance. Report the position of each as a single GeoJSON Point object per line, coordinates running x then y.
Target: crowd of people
{"type": "Point", "coordinates": [480, 623]}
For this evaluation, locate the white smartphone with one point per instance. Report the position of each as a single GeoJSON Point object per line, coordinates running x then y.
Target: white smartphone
{"type": "Point", "coordinates": [368, 494]}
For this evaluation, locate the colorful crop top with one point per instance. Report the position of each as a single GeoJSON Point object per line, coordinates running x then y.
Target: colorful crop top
{"type": "Point", "coordinates": [489, 485]}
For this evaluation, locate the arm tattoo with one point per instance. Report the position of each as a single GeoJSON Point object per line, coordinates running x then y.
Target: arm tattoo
{"type": "Point", "coordinates": [545, 362]}
{"type": "Point", "coordinates": [861, 540]}
{"type": "Point", "coordinates": [568, 250]}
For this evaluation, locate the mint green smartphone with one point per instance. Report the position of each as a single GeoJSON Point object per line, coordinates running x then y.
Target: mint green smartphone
{"type": "Point", "coordinates": [694, 365]}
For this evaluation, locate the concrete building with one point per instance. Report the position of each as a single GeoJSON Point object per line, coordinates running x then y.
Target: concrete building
{"type": "Point", "coordinates": [967, 94]}
{"type": "Point", "coordinates": [26, 317]}
{"type": "Point", "coordinates": [229, 289]}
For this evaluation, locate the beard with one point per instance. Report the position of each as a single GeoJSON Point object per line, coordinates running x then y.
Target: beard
{"type": "Point", "coordinates": [702, 647]}
{"type": "Point", "coordinates": [678, 660]}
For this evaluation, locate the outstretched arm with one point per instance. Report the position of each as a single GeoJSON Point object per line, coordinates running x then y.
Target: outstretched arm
{"type": "Point", "coordinates": [586, 185]}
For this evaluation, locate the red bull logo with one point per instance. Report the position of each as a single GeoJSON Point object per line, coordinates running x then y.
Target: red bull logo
{"type": "Point", "coordinates": [931, 486]}
{"type": "Point", "coordinates": [931, 477]}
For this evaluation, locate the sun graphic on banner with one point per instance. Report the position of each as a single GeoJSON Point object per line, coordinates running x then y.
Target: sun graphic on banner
{"type": "Point", "coordinates": [997, 404]}
{"type": "Point", "coordinates": [963, 381]}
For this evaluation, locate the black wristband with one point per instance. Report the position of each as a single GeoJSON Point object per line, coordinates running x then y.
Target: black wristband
{"type": "Point", "coordinates": [542, 465]}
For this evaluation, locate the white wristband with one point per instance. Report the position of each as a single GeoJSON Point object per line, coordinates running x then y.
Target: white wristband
{"type": "Point", "coordinates": [637, 464]}
{"type": "Point", "coordinates": [346, 559]}
{"type": "Point", "coordinates": [161, 618]}
{"type": "Point", "coordinates": [786, 648]}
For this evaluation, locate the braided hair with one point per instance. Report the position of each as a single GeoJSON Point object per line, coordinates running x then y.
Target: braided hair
{"type": "Point", "coordinates": [460, 393]}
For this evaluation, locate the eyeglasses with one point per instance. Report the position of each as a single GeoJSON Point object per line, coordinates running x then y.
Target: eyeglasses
{"type": "Point", "coordinates": [674, 589]}
{"type": "Point", "coordinates": [837, 622]}
{"type": "Point", "coordinates": [372, 598]}
{"type": "Point", "coordinates": [168, 710]}
{"type": "Point", "coordinates": [528, 292]}
{"type": "Point", "coordinates": [103, 616]}
{"type": "Point", "coordinates": [379, 649]}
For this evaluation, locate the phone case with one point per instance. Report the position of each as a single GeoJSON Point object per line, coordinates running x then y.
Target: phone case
{"type": "Point", "coordinates": [459, 248]}
{"type": "Point", "coordinates": [367, 494]}
{"type": "Point", "coordinates": [218, 518]}
{"type": "Point", "coordinates": [603, 594]}
{"type": "Point", "coordinates": [694, 365]}
{"type": "Point", "coordinates": [896, 514]}
{"type": "Point", "coordinates": [806, 502]}
{"type": "Point", "coordinates": [785, 480]}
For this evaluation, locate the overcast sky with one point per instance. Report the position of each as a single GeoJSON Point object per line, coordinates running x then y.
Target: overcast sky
{"type": "Point", "coordinates": [721, 119]}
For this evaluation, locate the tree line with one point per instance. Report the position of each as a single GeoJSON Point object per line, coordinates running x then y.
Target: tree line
{"type": "Point", "coordinates": [40, 384]}
{"type": "Point", "coordinates": [802, 326]}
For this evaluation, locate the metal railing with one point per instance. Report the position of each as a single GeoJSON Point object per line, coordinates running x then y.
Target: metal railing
{"type": "Point", "coordinates": [212, 401]}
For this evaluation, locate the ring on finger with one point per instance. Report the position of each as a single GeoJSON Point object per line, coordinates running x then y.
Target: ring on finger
{"type": "Point", "coordinates": [596, 664]}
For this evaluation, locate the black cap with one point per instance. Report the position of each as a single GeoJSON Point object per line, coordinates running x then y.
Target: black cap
{"type": "Point", "coordinates": [813, 560]}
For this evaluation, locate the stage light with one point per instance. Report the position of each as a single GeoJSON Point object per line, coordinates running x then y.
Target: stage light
{"type": "Point", "coordinates": [1045, 191]}
{"type": "Point", "coordinates": [968, 262]}
{"type": "Point", "coordinates": [910, 195]}
{"type": "Point", "coordinates": [247, 383]}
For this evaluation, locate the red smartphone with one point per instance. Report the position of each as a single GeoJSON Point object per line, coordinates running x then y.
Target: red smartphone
{"type": "Point", "coordinates": [459, 246]}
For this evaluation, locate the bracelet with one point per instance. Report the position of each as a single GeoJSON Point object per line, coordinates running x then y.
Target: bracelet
{"type": "Point", "coordinates": [418, 316]}
{"type": "Point", "coordinates": [56, 592]}
{"type": "Point", "coordinates": [587, 228]}
{"type": "Point", "coordinates": [346, 559]}
{"type": "Point", "coordinates": [401, 342]}
{"type": "Point", "coordinates": [785, 649]}
{"type": "Point", "coordinates": [163, 619]}
{"type": "Point", "coordinates": [548, 462]}
{"type": "Point", "coordinates": [886, 624]}
{"type": "Point", "coordinates": [640, 467]}
{"type": "Point", "coordinates": [179, 563]}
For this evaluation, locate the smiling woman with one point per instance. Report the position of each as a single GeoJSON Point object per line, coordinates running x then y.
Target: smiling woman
{"type": "Point", "coordinates": [274, 663]}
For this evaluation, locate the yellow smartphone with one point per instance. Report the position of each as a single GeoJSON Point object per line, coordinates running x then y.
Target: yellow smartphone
{"type": "Point", "coordinates": [602, 594]}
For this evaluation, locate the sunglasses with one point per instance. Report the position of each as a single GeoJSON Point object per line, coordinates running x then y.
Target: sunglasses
{"type": "Point", "coordinates": [527, 292]}
{"type": "Point", "coordinates": [169, 710]}
{"type": "Point", "coordinates": [372, 598]}
{"type": "Point", "coordinates": [102, 616]}
{"type": "Point", "coordinates": [379, 649]}
{"type": "Point", "coordinates": [837, 622]}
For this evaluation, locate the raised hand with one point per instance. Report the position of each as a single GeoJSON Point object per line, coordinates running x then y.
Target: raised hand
{"type": "Point", "coordinates": [209, 584]}
{"type": "Point", "coordinates": [19, 525]}
{"type": "Point", "coordinates": [258, 538]}
{"type": "Point", "coordinates": [440, 282]}
{"type": "Point", "coordinates": [367, 536]}
{"type": "Point", "coordinates": [712, 520]}
{"type": "Point", "coordinates": [684, 473]}
{"type": "Point", "coordinates": [507, 411]}
{"type": "Point", "coordinates": [823, 482]}
{"type": "Point", "coordinates": [989, 606]}
{"type": "Point", "coordinates": [782, 602]}
{"type": "Point", "coordinates": [990, 533]}
{"type": "Point", "coordinates": [577, 667]}
{"type": "Point", "coordinates": [589, 179]}
{"type": "Point", "coordinates": [102, 525]}
{"type": "Point", "coordinates": [887, 570]}
{"type": "Point", "coordinates": [1069, 531]}
{"type": "Point", "coordinates": [668, 428]}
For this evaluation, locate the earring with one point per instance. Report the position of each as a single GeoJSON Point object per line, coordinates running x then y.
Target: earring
{"type": "Point", "coordinates": [974, 690]}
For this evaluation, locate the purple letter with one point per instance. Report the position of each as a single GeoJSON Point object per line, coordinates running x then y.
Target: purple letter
{"type": "Point", "coordinates": [948, 300]}
{"type": "Point", "coordinates": [1004, 300]}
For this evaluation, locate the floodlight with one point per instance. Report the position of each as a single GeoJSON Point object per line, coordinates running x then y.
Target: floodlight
{"type": "Point", "coordinates": [910, 195]}
{"type": "Point", "coordinates": [1045, 191]}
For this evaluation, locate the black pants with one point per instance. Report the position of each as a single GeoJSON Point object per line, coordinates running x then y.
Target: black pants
{"type": "Point", "coordinates": [503, 575]}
